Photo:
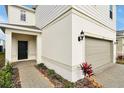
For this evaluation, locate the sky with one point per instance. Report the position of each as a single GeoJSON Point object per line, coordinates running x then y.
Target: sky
{"type": "Point", "coordinates": [3, 18]}
{"type": "Point", "coordinates": [119, 17]}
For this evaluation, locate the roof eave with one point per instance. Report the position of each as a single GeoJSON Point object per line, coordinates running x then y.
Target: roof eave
{"type": "Point", "coordinates": [34, 6]}
{"type": "Point", "coordinates": [24, 7]}
{"type": "Point", "coordinates": [3, 26]}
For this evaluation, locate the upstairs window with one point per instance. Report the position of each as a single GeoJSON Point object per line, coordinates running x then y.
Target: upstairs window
{"type": "Point", "coordinates": [111, 11]}
{"type": "Point", "coordinates": [23, 16]}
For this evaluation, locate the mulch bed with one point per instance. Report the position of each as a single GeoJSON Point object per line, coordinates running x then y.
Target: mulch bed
{"type": "Point", "coordinates": [15, 78]}
{"type": "Point", "coordinates": [56, 83]}
{"type": "Point", "coordinates": [61, 83]}
{"type": "Point", "coordinates": [87, 83]}
{"type": "Point", "coordinates": [2, 60]}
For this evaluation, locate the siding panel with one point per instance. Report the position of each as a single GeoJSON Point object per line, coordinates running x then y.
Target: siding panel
{"type": "Point", "coordinates": [99, 13]}
{"type": "Point", "coordinates": [47, 13]}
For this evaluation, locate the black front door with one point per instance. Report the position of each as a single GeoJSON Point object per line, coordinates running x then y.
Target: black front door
{"type": "Point", "coordinates": [1, 48]}
{"type": "Point", "coordinates": [22, 50]}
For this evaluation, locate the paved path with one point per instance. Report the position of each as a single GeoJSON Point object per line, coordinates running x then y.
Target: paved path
{"type": "Point", "coordinates": [112, 77]}
{"type": "Point", "coordinates": [30, 77]}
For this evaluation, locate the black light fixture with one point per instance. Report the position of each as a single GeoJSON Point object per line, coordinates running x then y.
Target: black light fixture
{"type": "Point", "coordinates": [81, 36]}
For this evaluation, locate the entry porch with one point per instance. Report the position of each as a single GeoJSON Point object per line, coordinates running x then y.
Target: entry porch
{"type": "Point", "coordinates": [22, 43]}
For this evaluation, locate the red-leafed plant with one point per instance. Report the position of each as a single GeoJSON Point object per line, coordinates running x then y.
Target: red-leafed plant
{"type": "Point", "coordinates": [120, 57]}
{"type": "Point", "coordinates": [87, 69]}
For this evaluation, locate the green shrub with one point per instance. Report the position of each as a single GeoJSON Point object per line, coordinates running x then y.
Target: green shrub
{"type": "Point", "coordinates": [42, 66]}
{"type": "Point", "coordinates": [58, 77]}
{"type": "Point", "coordinates": [69, 85]}
{"type": "Point", "coordinates": [6, 77]}
{"type": "Point", "coordinates": [8, 68]}
{"type": "Point", "coordinates": [50, 72]}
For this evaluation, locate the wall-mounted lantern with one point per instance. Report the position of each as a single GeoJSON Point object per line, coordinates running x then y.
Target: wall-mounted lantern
{"type": "Point", "coordinates": [81, 36]}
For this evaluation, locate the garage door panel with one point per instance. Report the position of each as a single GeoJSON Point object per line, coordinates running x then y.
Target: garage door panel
{"type": "Point", "coordinates": [98, 62]}
{"type": "Point", "coordinates": [98, 52]}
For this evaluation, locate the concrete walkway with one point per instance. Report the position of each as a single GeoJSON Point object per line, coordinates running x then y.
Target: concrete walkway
{"type": "Point", "coordinates": [112, 77]}
{"type": "Point", "coordinates": [30, 77]}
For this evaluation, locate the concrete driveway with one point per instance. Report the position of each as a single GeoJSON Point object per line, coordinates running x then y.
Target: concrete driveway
{"type": "Point", "coordinates": [112, 77]}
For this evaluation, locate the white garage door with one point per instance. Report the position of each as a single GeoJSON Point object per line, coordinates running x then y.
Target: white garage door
{"type": "Point", "coordinates": [98, 52]}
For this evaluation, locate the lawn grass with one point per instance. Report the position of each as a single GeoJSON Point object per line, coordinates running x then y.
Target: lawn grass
{"type": "Point", "coordinates": [2, 59]}
{"type": "Point", "coordinates": [120, 62]}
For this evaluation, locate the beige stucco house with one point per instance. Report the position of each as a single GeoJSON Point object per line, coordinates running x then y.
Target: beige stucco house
{"type": "Point", "coordinates": [23, 38]}
{"type": "Point", "coordinates": [62, 36]}
{"type": "Point", "coordinates": [120, 43]}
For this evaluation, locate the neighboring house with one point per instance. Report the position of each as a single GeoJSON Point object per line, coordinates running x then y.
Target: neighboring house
{"type": "Point", "coordinates": [120, 43]}
{"type": "Point", "coordinates": [2, 45]}
{"type": "Point", "coordinates": [70, 36]}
